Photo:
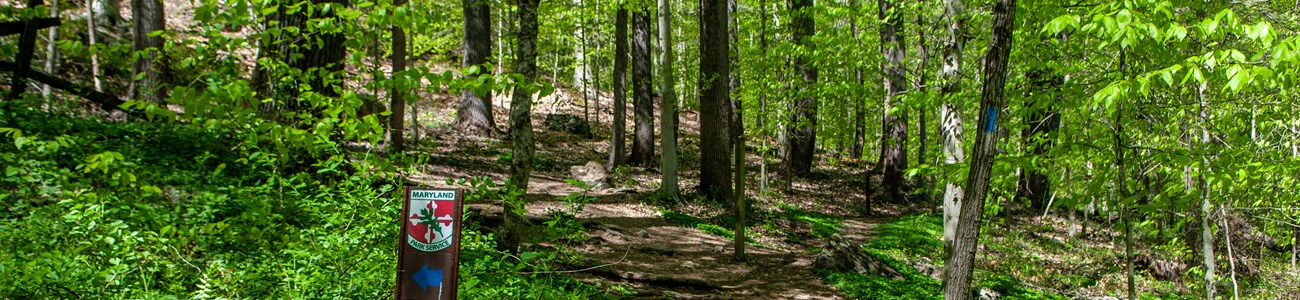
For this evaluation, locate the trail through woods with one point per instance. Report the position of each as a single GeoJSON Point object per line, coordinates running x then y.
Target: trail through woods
{"type": "Point", "coordinates": [631, 242]}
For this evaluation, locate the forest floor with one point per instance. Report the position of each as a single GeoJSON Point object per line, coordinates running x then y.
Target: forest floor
{"type": "Point", "coordinates": [682, 249]}
{"type": "Point", "coordinates": [660, 249]}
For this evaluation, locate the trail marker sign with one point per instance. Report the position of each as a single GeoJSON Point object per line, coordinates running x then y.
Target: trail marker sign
{"type": "Point", "coordinates": [429, 252]}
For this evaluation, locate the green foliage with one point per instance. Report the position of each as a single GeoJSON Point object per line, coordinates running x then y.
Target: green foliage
{"type": "Point", "coordinates": [908, 239]}
{"type": "Point", "coordinates": [910, 236]}
{"type": "Point", "coordinates": [716, 227]}
{"type": "Point", "coordinates": [144, 210]}
{"type": "Point", "coordinates": [823, 225]}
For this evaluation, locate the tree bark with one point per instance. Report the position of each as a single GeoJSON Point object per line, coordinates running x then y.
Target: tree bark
{"type": "Point", "coordinates": [923, 56]}
{"type": "Point", "coordinates": [1207, 233]}
{"type": "Point", "coordinates": [316, 54]}
{"type": "Point", "coordinates": [582, 70]}
{"type": "Point", "coordinates": [521, 125]}
{"type": "Point", "coordinates": [397, 95]}
{"type": "Point", "coordinates": [667, 104]}
{"type": "Point", "coordinates": [643, 142]}
{"type": "Point", "coordinates": [94, 55]}
{"type": "Point", "coordinates": [893, 143]}
{"type": "Point", "coordinates": [51, 53]}
{"type": "Point", "coordinates": [715, 104]}
{"type": "Point", "coordinates": [993, 98]}
{"type": "Point", "coordinates": [739, 194]}
{"type": "Point", "coordinates": [474, 114]}
{"type": "Point", "coordinates": [1227, 242]}
{"type": "Point", "coordinates": [148, 17]}
{"type": "Point", "coordinates": [618, 138]}
{"type": "Point", "coordinates": [1038, 136]}
{"type": "Point", "coordinates": [859, 106]}
{"type": "Point", "coordinates": [802, 130]}
{"type": "Point", "coordinates": [950, 123]}
{"type": "Point", "coordinates": [1121, 190]}
{"type": "Point", "coordinates": [107, 15]}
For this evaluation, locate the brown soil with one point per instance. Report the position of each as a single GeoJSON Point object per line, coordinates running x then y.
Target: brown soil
{"type": "Point", "coordinates": [630, 242]}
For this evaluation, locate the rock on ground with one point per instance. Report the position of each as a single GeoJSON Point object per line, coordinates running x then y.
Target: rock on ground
{"type": "Point", "coordinates": [568, 123]}
{"type": "Point", "coordinates": [841, 255]}
{"type": "Point", "coordinates": [592, 173]}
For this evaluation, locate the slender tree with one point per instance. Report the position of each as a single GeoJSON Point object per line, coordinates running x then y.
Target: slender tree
{"type": "Point", "coordinates": [893, 143]}
{"type": "Point", "coordinates": [521, 125]}
{"type": "Point", "coordinates": [474, 114]}
{"type": "Point", "coordinates": [715, 104]}
{"type": "Point", "coordinates": [1207, 230]}
{"type": "Point", "coordinates": [94, 55]}
{"type": "Point", "coordinates": [618, 139]}
{"type": "Point", "coordinates": [51, 51]}
{"type": "Point", "coordinates": [859, 106]}
{"type": "Point", "coordinates": [397, 94]}
{"type": "Point", "coordinates": [802, 130]}
{"type": "Point", "coordinates": [993, 99]}
{"type": "Point", "coordinates": [643, 140]}
{"type": "Point", "coordinates": [667, 103]}
{"type": "Point", "coordinates": [950, 123]}
{"type": "Point", "coordinates": [923, 57]}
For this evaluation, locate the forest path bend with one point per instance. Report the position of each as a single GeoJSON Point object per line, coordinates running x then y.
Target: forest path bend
{"type": "Point", "coordinates": [633, 244]}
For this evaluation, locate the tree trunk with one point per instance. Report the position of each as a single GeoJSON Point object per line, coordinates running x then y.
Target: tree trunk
{"type": "Point", "coordinates": [1227, 241]}
{"type": "Point", "coordinates": [1121, 188]}
{"type": "Point", "coordinates": [859, 106]}
{"type": "Point", "coordinates": [643, 142]}
{"type": "Point", "coordinates": [107, 15]}
{"type": "Point", "coordinates": [315, 54]}
{"type": "Point", "coordinates": [521, 125]}
{"type": "Point", "coordinates": [923, 56]}
{"type": "Point", "coordinates": [51, 53]}
{"type": "Point", "coordinates": [397, 95]}
{"type": "Point", "coordinates": [1207, 233]}
{"type": "Point", "coordinates": [715, 104]}
{"type": "Point", "coordinates": [993, 98]}
{"type": "Point", "coordinates": [739, 195]}
{"type": "Point", "coordinates": [148, 17]}
{"type": "Point", "coordinates": [733, 55]}
{"type": "Point", "coordinates": [94, 55]}
{"type": "Point", "coordinates": [950, 124]}
{"type": "Point", "coordinates": [582, 71]}
{"type": "Point", "coordinates": [618, 139]}
{"type": "Point", "coordinates": [802, 130]}
{"type": "Point", "coordinates": [474, 114]}
{"type": "Point", "coordinates": [667, 104]}
{"type": "Point", "coordinates": [893, 143]}
{"type": "Point", "coordinates": [762, 97]}
{"type": "Point", "coordinates": [1038, 136]}
{"type": "Point", "coordinates": [595, 66]}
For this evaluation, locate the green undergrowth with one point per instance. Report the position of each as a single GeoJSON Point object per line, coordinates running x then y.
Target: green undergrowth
{"type": "Point", "coordinates": [823, 225]}
{"type": "Point", "coordinates": [719, 227]}
{"type": "Point", "coordinates": [908, 239]}
{"type": "Point", "coordinates": [167, 210]}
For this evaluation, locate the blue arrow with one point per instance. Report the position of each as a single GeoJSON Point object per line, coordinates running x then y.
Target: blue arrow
{"type": "Point", "coordinates": [426, 277]}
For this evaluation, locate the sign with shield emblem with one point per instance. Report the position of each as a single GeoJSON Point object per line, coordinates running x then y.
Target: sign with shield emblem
{"type": "Point", "coordinates": [430, 243]}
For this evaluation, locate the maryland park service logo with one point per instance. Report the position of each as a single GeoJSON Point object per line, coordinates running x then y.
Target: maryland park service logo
{"type": "Point", "coordinates": [431, 225]}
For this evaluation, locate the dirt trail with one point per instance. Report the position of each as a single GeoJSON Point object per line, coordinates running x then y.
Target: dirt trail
{"type": "Point", "coordinates": [631, 244]}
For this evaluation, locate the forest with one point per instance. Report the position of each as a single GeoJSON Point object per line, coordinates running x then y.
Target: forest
{"type": "Point", "coordinates": [653, 149]}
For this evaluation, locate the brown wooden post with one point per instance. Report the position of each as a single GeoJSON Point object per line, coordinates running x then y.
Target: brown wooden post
{"type": "Point", "coordinates": [429, 252]}
{"type": "Point", "coordinates": [26, 48]}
